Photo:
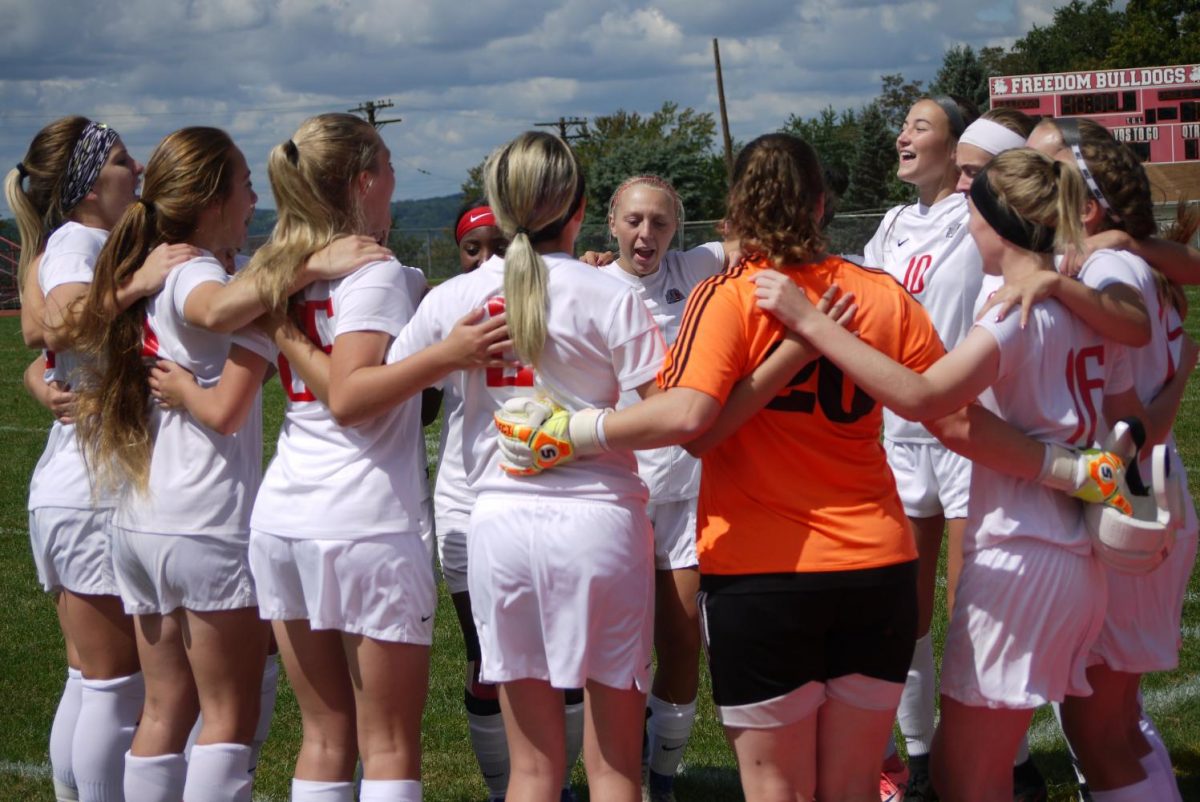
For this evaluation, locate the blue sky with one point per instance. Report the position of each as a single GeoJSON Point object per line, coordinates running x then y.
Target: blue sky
{"type": "Point", "coordinates": [464, 76]}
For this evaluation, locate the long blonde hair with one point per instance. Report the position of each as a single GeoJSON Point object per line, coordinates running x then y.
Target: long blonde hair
{"type": "Point", "coordinates": [534, 186]}
{"type": "Point", "coordinates": [312, 176]}
{"type": "Point", "coordinates": [34, 188]}
{"type": "Point", "coordinates": [188, 171]}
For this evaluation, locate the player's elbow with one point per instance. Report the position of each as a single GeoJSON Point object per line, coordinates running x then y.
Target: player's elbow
{"type": "Point", "coordinates": [346, 411]}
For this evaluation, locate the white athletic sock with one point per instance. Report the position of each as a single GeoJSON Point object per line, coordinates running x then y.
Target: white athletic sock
{"type": "Point", "coordinates": [108, 714]}
{"type": "Point", "coordinates": [916, 702]}
{"type": "Point", "coordinates": [1157, 762]}
{"type": "Point", "coordinates": [266, 709]}
{"type": "Point", "coordinates": [669, 728]}
{"type": "Point", "coordinates": [574, 738]}
{"type": "Point", "coordinates": [218, 773]}
{"type": "Point", "coordinates": [159, 778]}
{"type": "Point", "coordinates": [1022, 750]}
{"type": "Point", "coordinates": [491, 750]}
{"type": "Point", "coordinates": [62, 732]}
{"type": "Point", "coordinates": [389, 791]}
{"type": "Point", "coordinates": [313, 791]}
{"type": "Point", "coordinates": [1138, 792]}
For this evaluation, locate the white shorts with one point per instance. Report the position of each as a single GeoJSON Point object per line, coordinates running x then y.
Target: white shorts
{"type": "Point", "coordinates": [72, 550]}
{"type": "Point", "coordinates": [161, 573]}
{"type": "Point", "coordinates": [931, 478]}
{"type": "Point", "coordinates": [452, 551]}
{"type": "Point", "coordinates": [562, 590]}
{"type": "Point", "coordinates": [380, 586]}
{"type": "Point", "coordinates": [674, 525]}
{"type": "Point", "coordinates": [1025, 617]}
{"type": "Point", "coordinates": [1141, 630]}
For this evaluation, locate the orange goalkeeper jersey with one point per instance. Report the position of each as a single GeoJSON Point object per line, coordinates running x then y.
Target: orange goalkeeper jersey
{"type": "Point", "coordinates": [804, 485]}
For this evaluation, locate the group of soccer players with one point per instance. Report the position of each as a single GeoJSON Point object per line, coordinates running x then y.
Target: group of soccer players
{"type": "Point", "coordinates": [672, 449]}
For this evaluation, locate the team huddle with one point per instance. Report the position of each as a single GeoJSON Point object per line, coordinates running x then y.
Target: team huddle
{"type": "Point", "coordinates": [651, 451]}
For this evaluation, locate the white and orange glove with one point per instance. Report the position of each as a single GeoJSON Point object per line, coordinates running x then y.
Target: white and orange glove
{"type": "Point", "coordinates": [537, 434]}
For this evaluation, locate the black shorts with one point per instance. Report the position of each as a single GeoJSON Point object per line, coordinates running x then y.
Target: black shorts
{"type": "Point", "coordinates": [767, 635]}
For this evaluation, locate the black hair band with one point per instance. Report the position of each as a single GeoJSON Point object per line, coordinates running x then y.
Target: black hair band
{"type": "Point", "coordinates": [1007, 223]}
{"type": "Point", "coordinates": [292, 152]}
{"type": "Point", "coordinates": [21, 171]}
{"type": "Point", "coordinates": [950, 107]}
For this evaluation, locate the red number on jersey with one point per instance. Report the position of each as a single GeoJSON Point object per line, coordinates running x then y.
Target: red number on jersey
{"type": "Point", "coordinates": [914, 274]}
{"type": "Point", "coordinates": [1083, 387]}
{"type": "Point", "coordinates": [293, 385]}
{"type": "Point", "coordinates": [149, 341]}
{"type": "Point", "coordinates": [508, 376]}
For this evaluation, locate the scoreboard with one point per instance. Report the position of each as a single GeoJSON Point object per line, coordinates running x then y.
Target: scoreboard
{"type": "Point", "coordinates": [1155, 110]}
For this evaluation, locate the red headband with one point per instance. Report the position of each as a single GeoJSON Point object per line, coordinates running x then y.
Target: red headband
{"type": "Point", "coordinates": [474, 218]}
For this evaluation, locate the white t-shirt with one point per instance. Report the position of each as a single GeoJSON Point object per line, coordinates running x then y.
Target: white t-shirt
{"type": "Point", "coordinates": [929, 250]}
{"type": "Point", "coordinates": [1052, 378]}
{"type": "Point", "coordinates": [671, 473]}
{"type": "Point", "coordinates": [60, 478]}
{"type": "Point", "coordinates": [347, 482]}
{"type": "Point", "coordinates": [600, 340]}
{"type": "Point", "coordinates": [201, 482]}
{"type": "Point", "coordinates": [1154, 364]}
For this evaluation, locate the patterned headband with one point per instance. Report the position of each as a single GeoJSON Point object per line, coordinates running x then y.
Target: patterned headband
{"type": "Point", "coordinates": [89, 155]}
{"type": "Point", "coordinates": [1073, 138]}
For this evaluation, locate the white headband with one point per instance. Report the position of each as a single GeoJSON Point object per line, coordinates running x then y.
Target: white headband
{"type": "Point", "coordinates": [991, 136]}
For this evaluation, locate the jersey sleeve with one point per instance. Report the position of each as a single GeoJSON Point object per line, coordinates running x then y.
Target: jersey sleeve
{"type": "Point", "coordinates": [255, 340]}
{"type": "Point", "coordinates": [711, 352]}
{"type": "Point", "coordinates": [703, 261]}
{"type": "Point", "coordinates": [373, 298]}
{"type": "Point", "coordinates": [635, 342]}
{"type": "Point", "coordinates": [73, 262]}
{"type": "Point", "coordinates": [191, 276]}
{"type": "Point", "coordinates": [873, 250]}
{"type": "Point", "coordinates": [1010, 338]}
{"type": "Point", "coordinates": [1106, 268]}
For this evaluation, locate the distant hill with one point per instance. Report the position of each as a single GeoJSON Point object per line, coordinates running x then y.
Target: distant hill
{"type": "Point", "coordinates": [423, 213]}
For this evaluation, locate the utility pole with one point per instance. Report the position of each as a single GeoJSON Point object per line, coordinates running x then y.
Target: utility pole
{"type": "Point", "coordinates": [724, 116]}
{"type": "Point", "coordinates": [369, 107]}
{"type": "Point", "coordinates": [578, 123]}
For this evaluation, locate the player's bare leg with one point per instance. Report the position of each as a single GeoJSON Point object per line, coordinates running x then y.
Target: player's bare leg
{"type": "Point", "coordinates": [172, 703]}
{"type": "Point", "coordinates": [917, 704]}
{"type": "Point", "coordinates": [1104, 729]}
{"type": "Point", "coordinates": [535, 726]}
{"type": "Point", "coordinates": [672, 701]}
{"type": "Point", "coordinates": [780, 764]}
{"type": "Point", "coordinates": [316, 669]}
{"type": "Point", "coordinates": [956, 530]}
{"type": "Point", "coordinates": [973, 751]}
{"type": "Point", "coordinates": [390, 682]}
{"type": "Point", "coordinates": [848, 740]}
{"type": "Point", "coordinates": [612, 750]}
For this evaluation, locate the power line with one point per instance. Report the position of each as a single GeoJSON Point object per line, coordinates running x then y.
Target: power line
{"type": "Point", "coordinates": [562, 123]}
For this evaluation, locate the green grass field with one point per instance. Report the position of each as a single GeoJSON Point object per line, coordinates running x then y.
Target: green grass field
{"type": "Point", "coordinates": [32, 664]}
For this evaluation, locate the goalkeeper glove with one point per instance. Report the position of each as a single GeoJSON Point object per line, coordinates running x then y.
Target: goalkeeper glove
{"type": "Point", "coordinates": [538, 434]}
{"type": "Point", "coordinates": [1092, 475]}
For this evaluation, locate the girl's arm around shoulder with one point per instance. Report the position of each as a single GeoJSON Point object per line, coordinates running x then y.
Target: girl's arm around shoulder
{"type": "Point", "coordinates": [224, 406]}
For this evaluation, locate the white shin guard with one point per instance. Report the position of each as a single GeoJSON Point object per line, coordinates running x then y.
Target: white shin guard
{"type": "Point", "coordinates": [389, 791]}
{"type": "Point", "coordinates": [155, 779]}
{"type": "Point", "coordinates": [668, 729]}
{"type": "Point", "coordinates": [218, 773]}
{"type": "Point", "coordinates": [917, 701]}
{"type": "Point", "coordinates": [108, 714]}
{"type": "Point", "coordinates": [62, 733]}
{"type": "Point", "coordinates": [313, 791]}
{"type": "Point", "coordinates": [491, 750]}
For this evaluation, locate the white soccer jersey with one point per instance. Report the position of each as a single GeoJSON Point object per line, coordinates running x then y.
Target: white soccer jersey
{"type": "Point", "coordinates": [201, 482]}
{"type": "Point", "coordinates": [671, 473]}
{"type": "Point", "coordinates": [60, 478]}
{"type": "Point", "coordinates": [929, 250]}
{"type": "Point", "coordinates": [332, 481]}
{"type": "Point", "coordinates": [600, 340]}
{"type": "Point", "coordinates": [1154, 364]}
{"type": "Point", "coordinates": [1051, 381]}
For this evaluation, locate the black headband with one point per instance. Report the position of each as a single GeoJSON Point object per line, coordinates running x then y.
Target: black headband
{"type": "Point", "coordinates": [947, 104]}
{"type": "Point", "coordinates": [21, 171]}
{"type": "Point", "coordinates": [1007, 223]}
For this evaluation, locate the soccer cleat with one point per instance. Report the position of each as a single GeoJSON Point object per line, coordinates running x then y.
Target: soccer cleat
{"type": "Point", "coordinates": [919, 788]}
{"type": "Point", "coordinates": [658, 788]}
{"type": "Point", "coordinates": [1028, 783]}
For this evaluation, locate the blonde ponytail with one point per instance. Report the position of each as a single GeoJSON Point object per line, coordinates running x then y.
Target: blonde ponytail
{"type": "Point", "coordinates": [534, 185]}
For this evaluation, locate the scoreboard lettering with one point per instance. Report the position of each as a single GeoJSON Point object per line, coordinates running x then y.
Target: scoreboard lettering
{"type": "Point", "coordinates": [1154, 109]}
